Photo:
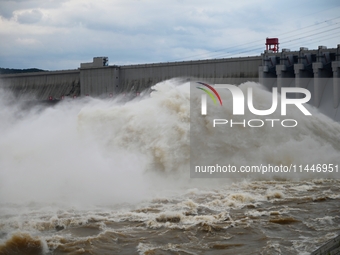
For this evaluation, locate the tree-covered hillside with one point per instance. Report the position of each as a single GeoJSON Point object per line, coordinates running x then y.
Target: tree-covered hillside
{"type": "Point", "coordinates": [11, 70]}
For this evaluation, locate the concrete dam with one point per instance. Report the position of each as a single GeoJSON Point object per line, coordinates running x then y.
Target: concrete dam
{"type": "Point", "coordinates": [316, 70]}
{"type": "Point", "coordinates": [99, 79]}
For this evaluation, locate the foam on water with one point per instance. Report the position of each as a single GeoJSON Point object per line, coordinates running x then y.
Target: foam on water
{"type": "Point", "coordinates": [102, 161]}
{"type": "Point", "coordinates": [97, 151]}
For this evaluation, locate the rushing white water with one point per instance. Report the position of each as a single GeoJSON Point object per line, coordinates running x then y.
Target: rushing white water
{"type": "Point", "coordinates": [43, 158]}
{"type": "Point", "coordinates": [89, 154]}
{"type": "Point", "coordinates": [106, 151]}
{"type": "Point", "coordinates": [315, 139]}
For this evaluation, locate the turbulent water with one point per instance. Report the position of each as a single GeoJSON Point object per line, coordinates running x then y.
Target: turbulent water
{"type": "Point", "coordinates": [91, 176]}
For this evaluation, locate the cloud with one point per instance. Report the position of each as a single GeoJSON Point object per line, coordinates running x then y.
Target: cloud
{"type": "Point", "coordinates": [8, 7]}
{"type": "Point", "coordinates": [29, 16]}
{"type": "Point", "coordinates": [144, 31]}
{"type": "Point", "coordinates": [27, 41]}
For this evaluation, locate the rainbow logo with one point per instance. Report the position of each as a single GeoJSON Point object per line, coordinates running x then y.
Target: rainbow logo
{"type": "Point", "coordinates": [209, 92]}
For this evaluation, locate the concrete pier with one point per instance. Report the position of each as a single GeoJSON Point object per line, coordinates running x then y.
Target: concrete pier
{"type": "Point", "coordinates": [336, 79]}
{"type": "Point", "coordinates": [316, 70]}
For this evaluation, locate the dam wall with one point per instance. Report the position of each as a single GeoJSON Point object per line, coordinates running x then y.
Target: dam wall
{"type": "Point", "coordinates": [315, 70]}
{"type": "Point", "coordinates": [136, 78]}
{"type": "Point", "coordinates": [43, 85]}
{"type": "Point", "coordinates": [98, 79]}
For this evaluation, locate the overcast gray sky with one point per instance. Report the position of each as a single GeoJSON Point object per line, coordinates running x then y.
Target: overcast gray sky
{"type": "Point", "coordinates": [60, 34]}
